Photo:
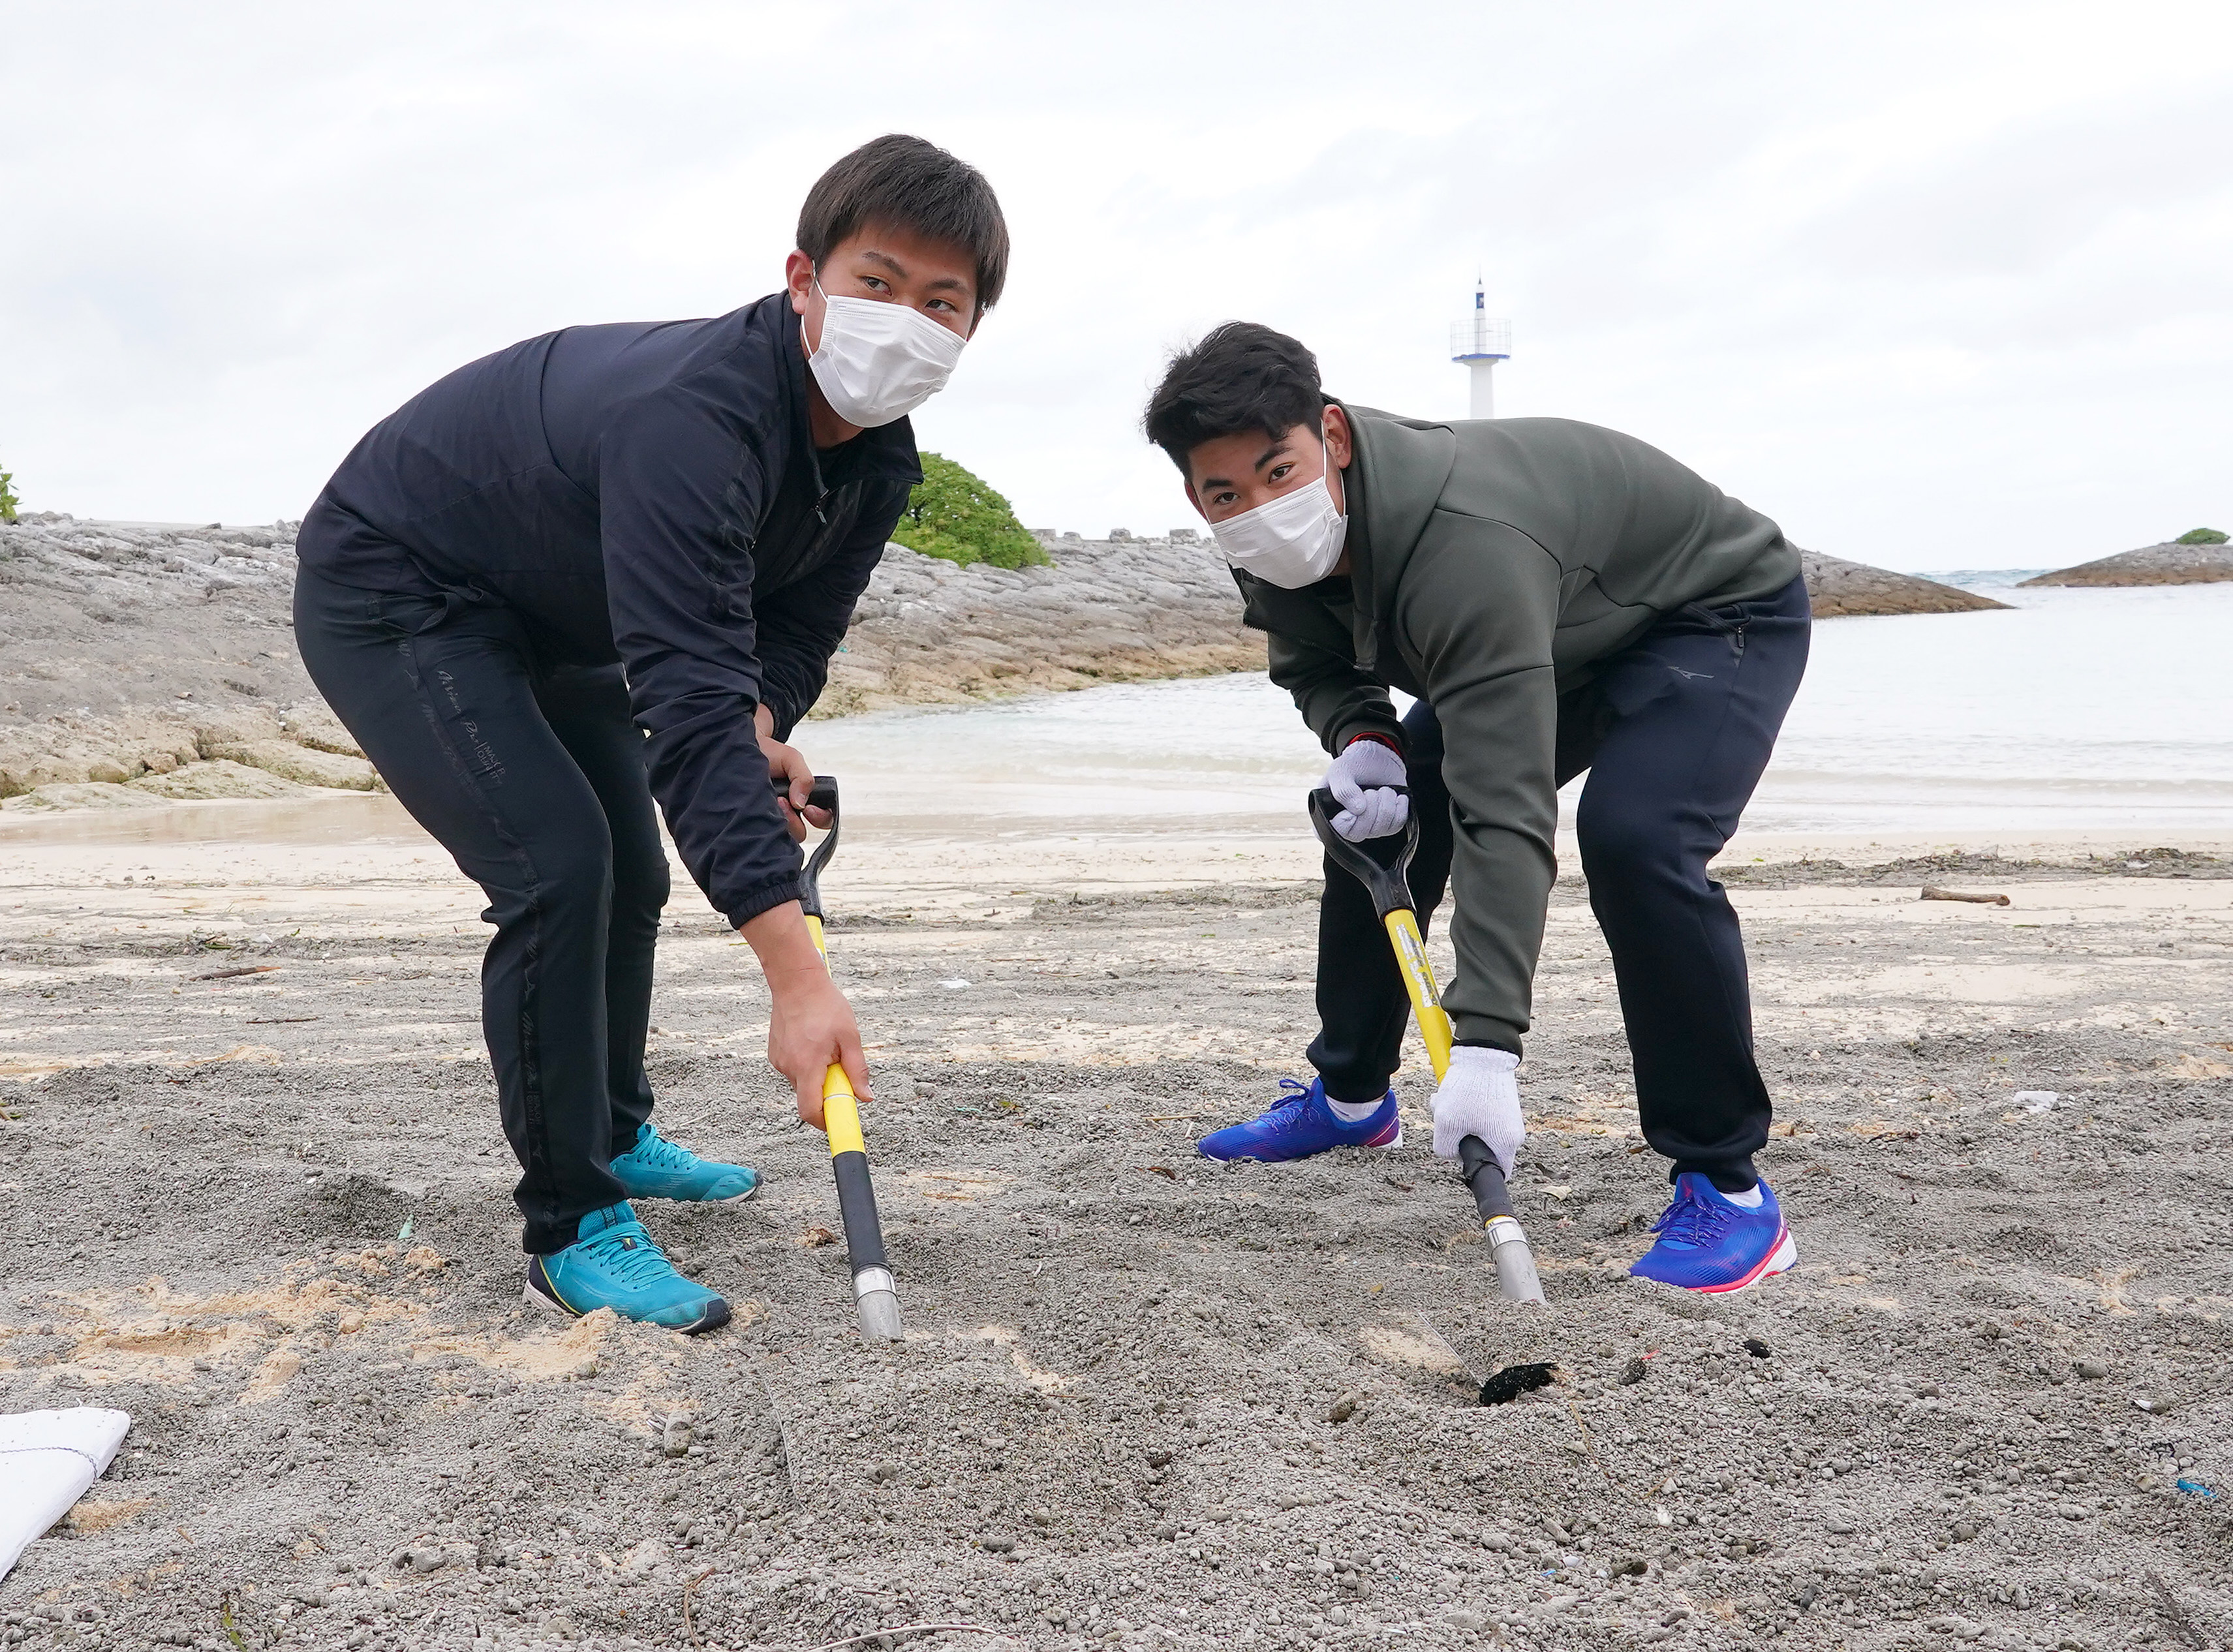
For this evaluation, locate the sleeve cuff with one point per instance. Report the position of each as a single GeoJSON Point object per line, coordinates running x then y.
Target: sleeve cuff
{"type": "Point", "coordinates": [1476, 1033]}
{"type": "Point", "coordinates": [1386, 730]}
{"type": "Point", "coordinates": [765, 898]}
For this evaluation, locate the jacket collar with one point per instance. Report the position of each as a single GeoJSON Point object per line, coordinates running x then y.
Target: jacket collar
{"type": "Point", "coordinates": [885, 453]}
{"type": "Point", "coordinates": [1398, 472]}
{"type": "Point", "coordinates": [1391, 487]}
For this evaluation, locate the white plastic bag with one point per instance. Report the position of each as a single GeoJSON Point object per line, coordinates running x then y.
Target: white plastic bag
{"type": "Point", "coordinates": [47, 1460]}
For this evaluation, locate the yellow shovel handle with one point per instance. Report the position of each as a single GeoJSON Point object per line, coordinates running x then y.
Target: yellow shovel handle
{"type": "Point", "coordinates": [856, 1198]}
{"type": "Point", "coordinates": [841, 1110]}
{"type": "Point", "coordinates": [1419, 981]}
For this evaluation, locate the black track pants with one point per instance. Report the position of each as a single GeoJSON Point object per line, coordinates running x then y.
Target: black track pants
{"type": "Point", "coordinates": [534, 779]}
{"type": "Point", "coordinates": [1675, 731]}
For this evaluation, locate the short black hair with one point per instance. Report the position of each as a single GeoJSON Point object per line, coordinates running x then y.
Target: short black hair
{"type": "Point", "coordinates": [1242, 377]}
{"type": "Point", "coordinates": [907, 183]}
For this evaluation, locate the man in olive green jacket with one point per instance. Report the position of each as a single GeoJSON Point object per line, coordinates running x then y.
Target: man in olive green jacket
{"type": "Point", "coordinates": [1558, 598]}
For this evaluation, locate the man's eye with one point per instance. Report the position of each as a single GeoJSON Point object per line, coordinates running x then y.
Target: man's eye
{"type": "Point", "coordinates": [874, 283]}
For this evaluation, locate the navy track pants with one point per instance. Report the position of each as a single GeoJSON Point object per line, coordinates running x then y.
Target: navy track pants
{"type": "Point", "coordinates": [533, 779]}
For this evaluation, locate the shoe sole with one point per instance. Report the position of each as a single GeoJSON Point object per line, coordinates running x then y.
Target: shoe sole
{"type": "Point", "coordinates": [750, 1193]}
{"type": "Point", "coordinates": [1784, 1253]}
{"type": "Point", "coordinates": [715, 1316]}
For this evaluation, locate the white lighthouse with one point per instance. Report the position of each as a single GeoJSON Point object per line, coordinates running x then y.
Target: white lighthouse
{"type": "Point", "coordinates": [1481, 341]}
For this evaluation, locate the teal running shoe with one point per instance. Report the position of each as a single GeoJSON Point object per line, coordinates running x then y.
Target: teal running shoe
{"type": "Point", "coordinates": [613, 1263]}
{"type": "Point", "coordinates": [656, 1168]}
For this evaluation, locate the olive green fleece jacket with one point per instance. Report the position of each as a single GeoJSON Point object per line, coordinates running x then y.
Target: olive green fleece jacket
{"type": "Point", "coordinates": [1492, 565]}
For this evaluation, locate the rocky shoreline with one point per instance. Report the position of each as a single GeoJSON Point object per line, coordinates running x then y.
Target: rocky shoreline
{"type": "Point", "coordinates": [2169, 563]}
{"type": "Point", "coordinates": [1840, 590]}
{"type": "Point", "coordinates": [142, 664]}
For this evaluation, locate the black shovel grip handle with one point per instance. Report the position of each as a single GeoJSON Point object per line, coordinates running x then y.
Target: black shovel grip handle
{"type": "Point", "coordinates": [1382, 865]}
{"type": "Point", "coordinates": [824, 795]}
{"type": "Point", "coordinates": [1486, 1177]}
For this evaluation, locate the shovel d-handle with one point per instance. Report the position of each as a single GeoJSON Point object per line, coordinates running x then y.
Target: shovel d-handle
{"type": "Point", "coordinates": [824, 795]}
{"type": "Point", "coordinates": [1382, 864]}
{"type": "Point", "coordinates": [873, 1290]}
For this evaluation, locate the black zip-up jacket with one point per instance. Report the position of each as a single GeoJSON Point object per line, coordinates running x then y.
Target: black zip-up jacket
{"type": "Point", "coordinates": [648, 493]}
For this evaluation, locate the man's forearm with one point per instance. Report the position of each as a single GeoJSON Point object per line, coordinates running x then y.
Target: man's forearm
{"type": "Point", "coordinates": [786, 951]}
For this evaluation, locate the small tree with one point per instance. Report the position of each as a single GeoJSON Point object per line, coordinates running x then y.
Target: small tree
{"type": "Point", "coordinates": [953, 515]}
{"type": "Point", "coordinates": [8, 499]}
{"type": "Point", "coordinates": [2200, 536]}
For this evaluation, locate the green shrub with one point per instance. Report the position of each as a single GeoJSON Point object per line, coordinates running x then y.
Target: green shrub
{"type": "Point", "coordinates": [952, 514]}
{"type": "Point", "coordinates": [8, 499]}
{"type": "Point", "coordinates": [2200, 536]}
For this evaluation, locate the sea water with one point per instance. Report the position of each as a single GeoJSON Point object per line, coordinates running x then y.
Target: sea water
{"type": "Point", "coordinates": [2072, 709]}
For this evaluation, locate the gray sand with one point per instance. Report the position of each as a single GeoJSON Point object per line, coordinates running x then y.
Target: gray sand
{"type": "Point", "coordinates": [1111, 1424]}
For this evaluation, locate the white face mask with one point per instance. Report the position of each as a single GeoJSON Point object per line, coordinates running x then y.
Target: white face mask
{"type": "Point", "coordinates": [879, 361]}
{"type": "Point", "coordinates": [1291, 541]}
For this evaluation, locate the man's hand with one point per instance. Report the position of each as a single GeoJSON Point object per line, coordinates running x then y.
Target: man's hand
{"type": "Point", "coordinates": [812, 1027]}
{"type": "Point", "coordinates": [797, 775]}
{"type": "Point", "coordinates": [1480, 1096]}
{"type": "Point", "coordinates": [1360, 779]}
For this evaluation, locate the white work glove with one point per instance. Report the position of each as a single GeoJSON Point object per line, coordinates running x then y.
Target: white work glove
{"type": "Point", "coordinates": [1480, 1096]}
{"type": "Point", "coordinates": [1359, 779]}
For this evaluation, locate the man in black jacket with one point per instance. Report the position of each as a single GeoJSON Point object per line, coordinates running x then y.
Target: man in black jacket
{"type": "Point", "coordinates": [609, 565]}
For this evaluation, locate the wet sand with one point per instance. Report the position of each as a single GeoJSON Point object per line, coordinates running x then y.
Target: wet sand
{"type": "Point", "coordinates": [1110, 1423]}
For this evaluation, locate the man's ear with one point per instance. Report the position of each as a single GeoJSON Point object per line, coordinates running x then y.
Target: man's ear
{"type": "Point", "coordinates": [1340, 447]}
{"type": "Point", "coordinates": [1194, 500]}
{"type": "Point", "coordinates": [798, 277]}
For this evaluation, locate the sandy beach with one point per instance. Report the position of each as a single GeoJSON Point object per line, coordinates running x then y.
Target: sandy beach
{"type": "Point", "coordinates": [250, 1129]}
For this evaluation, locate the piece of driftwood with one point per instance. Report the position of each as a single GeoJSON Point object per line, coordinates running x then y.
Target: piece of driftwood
{"type": "Point", "coordinates": [1963, 895]}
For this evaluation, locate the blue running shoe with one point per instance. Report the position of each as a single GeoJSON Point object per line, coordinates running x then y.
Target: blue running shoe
{"type": "Point", "coordinates": [613, 1263]}
{"type": "Point", "coordinates": [1302, 1124]}
{"type": "Point", "coordinates": [656, 1168]}
{"type": "Point", "coordinates": [1707, 1243]}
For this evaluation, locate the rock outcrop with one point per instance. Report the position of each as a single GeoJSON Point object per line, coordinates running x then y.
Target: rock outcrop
{"type": "Point", "coordinates": [158, 661]}
{"type": "Point", "coordinates": [1108, 611]}
{"type": "Point", "coordinates": [2169, 563]}
{"type": "Point", "coordinates": [1840, 589]}
{"type": "Point", "coordinates": [131, 652]}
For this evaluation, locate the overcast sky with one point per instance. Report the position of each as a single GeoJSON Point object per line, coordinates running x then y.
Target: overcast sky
{"type": "Point", "coordinates": [1935, 285]}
